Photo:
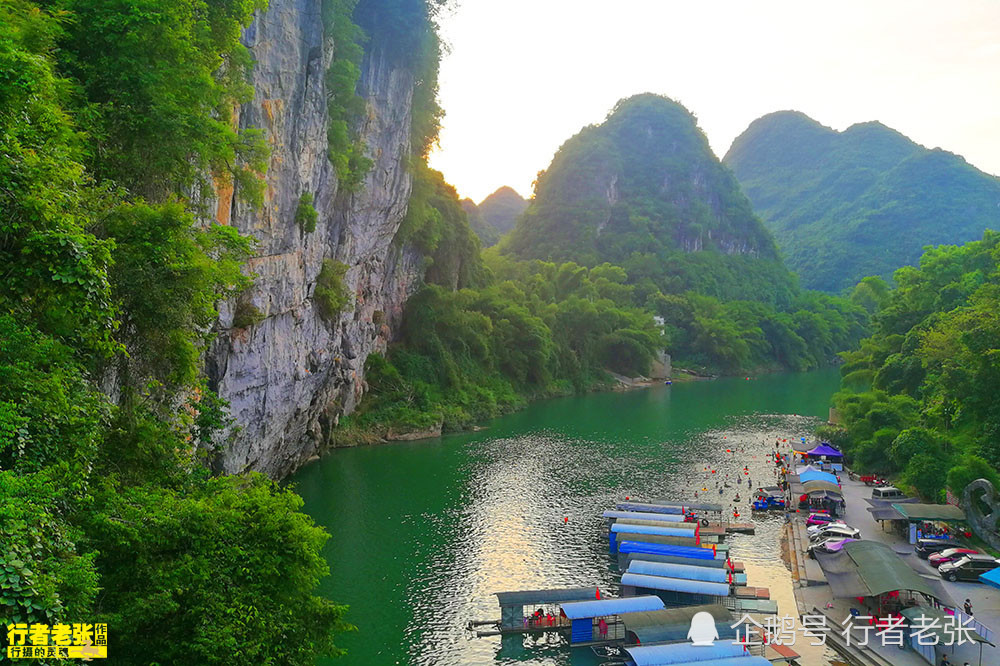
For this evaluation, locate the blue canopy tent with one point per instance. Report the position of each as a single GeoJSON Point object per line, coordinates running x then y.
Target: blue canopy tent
{"type": "Point", "coordinates": [813, 475]}
{"type": "Point", "coordinates": [824, 450]}
{"type": "Point", "coordinates": [584, 613]}
{"type": "Point", "coordinates": [991, 578]}
{"type": "Point", "coordinates": [668, 570]}
{"type": "Point", "coordinates": [681, 654]}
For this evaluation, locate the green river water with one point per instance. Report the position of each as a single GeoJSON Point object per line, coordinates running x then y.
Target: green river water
{"type": "Point", "coordinates": [424, 532]}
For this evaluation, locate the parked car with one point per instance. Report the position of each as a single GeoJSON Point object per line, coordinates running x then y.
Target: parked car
{"type": "Point", "coordinates": [950, 555]}
{"type": "Point", "coordinates": [926, 547]}
{"type": "Point", "coordinates": [813, 529]}
{"type": "Point", "coordinates": [819, 519]}
{"type": "Point", "coordinates": [887, 492]}
{"type": "Point", "coordinates": [838, 531]}
{"type": "Point", "coordinates": [968, 568]}
{"type": "Point", "coordinates": [828, 545]}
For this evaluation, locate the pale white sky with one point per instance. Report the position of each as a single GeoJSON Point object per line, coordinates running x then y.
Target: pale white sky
{"type": "Point", "coordinates": [522, 76]}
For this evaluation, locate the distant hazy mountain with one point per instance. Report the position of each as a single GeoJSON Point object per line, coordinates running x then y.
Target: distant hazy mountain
{"type": "Point", "coordinates": [643, 190]}
{"type": "Point", "coordinates": [495, 215]}
{"type": "Point", "coordinates": [865, 201]}
{"type": "Point", "coordinates": [488, 234]}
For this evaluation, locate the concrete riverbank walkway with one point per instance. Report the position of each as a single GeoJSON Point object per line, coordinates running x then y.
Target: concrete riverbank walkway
{"type": "Point", "coordinates": [813, 594]}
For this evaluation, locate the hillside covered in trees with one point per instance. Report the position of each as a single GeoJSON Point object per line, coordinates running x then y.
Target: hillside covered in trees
{"type": "Point", "coordinates": [637, 240]}
{"type": "Point", "coordinates": [921, 397]}
{"type": "Point", "coordinates": [865, 201]}
{"type": "Point", "coordinates": [118, 126]}
{"type": "Point", "coordinates": [495, 215]}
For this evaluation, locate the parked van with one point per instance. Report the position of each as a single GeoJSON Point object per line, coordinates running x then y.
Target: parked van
{"type": "Point", "coordinates": [887, 492]}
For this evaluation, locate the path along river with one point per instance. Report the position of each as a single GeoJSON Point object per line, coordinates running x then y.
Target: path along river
{"type": "Point", "coordinates": [424, 532]}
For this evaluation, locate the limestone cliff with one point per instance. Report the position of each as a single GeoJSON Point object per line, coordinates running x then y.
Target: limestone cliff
{"type": "Point", "coordinates": [291, 376]}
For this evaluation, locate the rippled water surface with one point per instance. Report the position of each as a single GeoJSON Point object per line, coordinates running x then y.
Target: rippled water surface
{"type": "Point", "coordinates": [424, 532]}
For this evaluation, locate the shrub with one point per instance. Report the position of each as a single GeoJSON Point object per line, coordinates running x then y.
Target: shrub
{"type": "Point", "coordinates": [330, 295]}
{"type": "Point", "coordinates": [246, 315]}
{"type": "Point", "coordinates": [305, 214]}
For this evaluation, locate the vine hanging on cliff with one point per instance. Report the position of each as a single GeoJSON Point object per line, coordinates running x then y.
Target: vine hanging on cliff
{"type": "Point", "coordinates": [344, 105]}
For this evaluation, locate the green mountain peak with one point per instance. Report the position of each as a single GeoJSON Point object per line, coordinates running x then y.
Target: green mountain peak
{"type": "Point", "coordinates": [864, 201]}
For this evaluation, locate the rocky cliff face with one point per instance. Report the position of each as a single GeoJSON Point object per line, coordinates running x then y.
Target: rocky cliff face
{"type": "Point", "coordinates": [291, 376]}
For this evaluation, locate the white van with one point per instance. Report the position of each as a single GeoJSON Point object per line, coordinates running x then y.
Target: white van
{"type": "Point", "coordinates": [887, 492]}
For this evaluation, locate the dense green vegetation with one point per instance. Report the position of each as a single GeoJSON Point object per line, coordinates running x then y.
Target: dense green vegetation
{"type": "Point", "coordinates": [644, 191]}
{"type": "Point", "coordinates": [487, 334]}
{"type": "Point", "coordinates": [115, 117]}
{"type": "Point", "coordinates": [495, 215]}
{"type": "Point", "coordinates": [921, 397]}
{"type": "Point", "coordinates": [344, 105]}
{"type": "Point", "coordinates": [488, 234]}
{"type": "Point", "coordinates": [865, 201]}
{"type": "Point", "coordinates": [536, 329]}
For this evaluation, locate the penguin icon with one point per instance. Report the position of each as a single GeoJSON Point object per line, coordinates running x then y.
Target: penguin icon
{"type": "Point", "coordinates": [703, 631]}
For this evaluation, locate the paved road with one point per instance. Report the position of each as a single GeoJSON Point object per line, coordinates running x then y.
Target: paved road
{"type": "Point", "coordinates": [985, 599]}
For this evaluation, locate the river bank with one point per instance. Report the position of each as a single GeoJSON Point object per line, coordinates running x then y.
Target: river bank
{"type": "Point", "coordinates": [424, 532]}
{"type": "Point", "coordinates": [348, 434]}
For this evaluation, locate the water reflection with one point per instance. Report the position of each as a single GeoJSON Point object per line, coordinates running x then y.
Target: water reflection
{"type": "Point", "coordinates": [425, 533]}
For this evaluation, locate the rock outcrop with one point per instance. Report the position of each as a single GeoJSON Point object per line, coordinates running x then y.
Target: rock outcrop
{"type": "Point", "coordinates": [289, 377]}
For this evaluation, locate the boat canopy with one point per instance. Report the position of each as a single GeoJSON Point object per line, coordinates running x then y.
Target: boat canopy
{"type": "Point", "coordinates": [537, 597]}
{"type": "Point", "coordinates": [673, 624]}
{"type": "Point", "coordinates": [605, 607]}
{"type": "Point", "coordinates": [649, 529]}
{"type": "Point", "coordinates": [709, 574]}
{"type": "Point", "coordinates": [675, 585]}
{"type": "Point", "coordinates": [649, 508]}
{"type": "Point", "coordinates": [686, 653]}
{"type": "Point", "coordinates": [692, 552]}
{"type": "Point", "coordinates": [645, 515]}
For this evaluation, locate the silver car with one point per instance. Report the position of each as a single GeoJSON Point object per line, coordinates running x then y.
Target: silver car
{"type": "Point", "coordinates": [837, 531]}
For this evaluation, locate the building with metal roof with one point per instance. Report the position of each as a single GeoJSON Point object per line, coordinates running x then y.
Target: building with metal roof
{"type": "Point", "coordinates": [873, 569]}
{"type": "Point", "coordinates": [916, 511]}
